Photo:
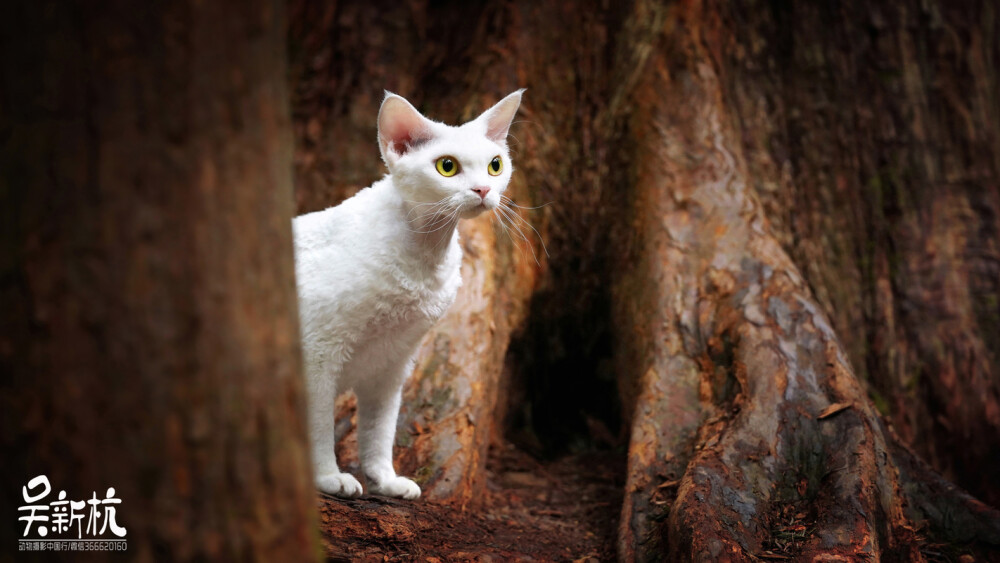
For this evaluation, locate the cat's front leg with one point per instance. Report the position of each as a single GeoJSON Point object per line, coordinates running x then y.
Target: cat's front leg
{"type": "Point", "coordinates": [322, 393]}
{"type": "Point", "coordinates": [377, 413]}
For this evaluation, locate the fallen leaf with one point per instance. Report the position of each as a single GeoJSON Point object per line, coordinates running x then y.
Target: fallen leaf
{"type": "Point", "coordinates": [832, 410]}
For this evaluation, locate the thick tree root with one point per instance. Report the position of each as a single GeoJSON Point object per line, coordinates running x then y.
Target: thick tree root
{"type": "Point", "coordinates": [719, 309]}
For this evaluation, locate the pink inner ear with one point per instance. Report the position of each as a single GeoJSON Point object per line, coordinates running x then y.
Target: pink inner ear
{"type": "Point", "coordinates": [401, 126]}
{"type": "Point", "coordinates": [499, 117]}
{"type": "Point", "coordinates": [497, 129]}
{"type": "Point", "coordinates": [499, 123]}
{"type": "Point", "coordinates": [400, 146]}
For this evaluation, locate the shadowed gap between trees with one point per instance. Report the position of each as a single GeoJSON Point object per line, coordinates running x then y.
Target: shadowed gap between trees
{"type": "Point", "coordinates": [563, 391]}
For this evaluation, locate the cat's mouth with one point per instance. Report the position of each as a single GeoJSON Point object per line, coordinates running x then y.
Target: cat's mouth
{"type": "Point", "coordinates": [476, 208]}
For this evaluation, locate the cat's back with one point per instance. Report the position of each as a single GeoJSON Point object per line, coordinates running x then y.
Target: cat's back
{"type": "Point", "coordinates": [332, 226]}
{"type": "Point", "coordinates": [331, 247]}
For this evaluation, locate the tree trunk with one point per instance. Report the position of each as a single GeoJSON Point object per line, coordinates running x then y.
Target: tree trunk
{"type": "Point", "coordinates": [149, 325]}
{"type": "Point", "coordinates": [875, 140]}
{"type": "Point", "coordinates": [762, 214]}
{"type": "Point", "coordinates": [748, 415]}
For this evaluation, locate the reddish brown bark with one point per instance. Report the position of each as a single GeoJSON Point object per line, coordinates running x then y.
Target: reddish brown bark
{"type": "Point", "coordinates": [146, 280]}
{"type": "Point", "coordinates": [737, 328]}
{"type": "Point", "coordinates": [732, 244]}
{"type": "Point", "coordinates": [872, 135]}
{"type": "Point", "coordinates": [746, 402]}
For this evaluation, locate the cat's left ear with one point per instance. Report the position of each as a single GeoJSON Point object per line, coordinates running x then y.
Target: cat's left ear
{"type": "Point", "coordinates": [499, 117]}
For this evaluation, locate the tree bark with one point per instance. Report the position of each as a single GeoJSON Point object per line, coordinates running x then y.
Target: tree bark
{"type": "Point", "coordinates": [874, 136]}
{"type": "Point", "coordinates": [149, 325]}
{"type": "Point", "coordinates": [761, 215]}
{"type": "Point", "coordinates": [747, 407]}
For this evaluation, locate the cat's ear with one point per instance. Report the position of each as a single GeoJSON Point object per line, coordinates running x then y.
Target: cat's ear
{"type": "Point", "coordinates": [499, 117]}
{"type": "Point", "coordinates": [400, 128]}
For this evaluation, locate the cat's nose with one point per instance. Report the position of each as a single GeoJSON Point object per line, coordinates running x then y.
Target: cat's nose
{"type": "Point", "coordinates": [481, 191]}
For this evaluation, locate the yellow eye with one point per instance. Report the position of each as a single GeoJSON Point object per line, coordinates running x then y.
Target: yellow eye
{"type": "Point", "coordinates": [495, 167]}
{"type": "Point", "coordinates": [447, 166]}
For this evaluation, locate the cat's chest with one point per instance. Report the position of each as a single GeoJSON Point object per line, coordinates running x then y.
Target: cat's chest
{"type": "Point", "coordinates": [420, 299]}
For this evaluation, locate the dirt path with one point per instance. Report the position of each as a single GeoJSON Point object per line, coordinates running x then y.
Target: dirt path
{"type": "Point", "coordinates": [563, 510]}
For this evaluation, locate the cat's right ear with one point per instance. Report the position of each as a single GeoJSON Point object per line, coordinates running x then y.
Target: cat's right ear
{"type": "Point", "coordinates": [400, 128]}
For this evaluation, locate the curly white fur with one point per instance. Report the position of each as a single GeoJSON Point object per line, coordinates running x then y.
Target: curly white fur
{"type": "Point", "coordinates": [375, 272]}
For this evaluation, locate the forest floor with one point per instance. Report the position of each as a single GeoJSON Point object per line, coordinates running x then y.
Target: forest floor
{"type": "Point", "coordinates": [561, 510]}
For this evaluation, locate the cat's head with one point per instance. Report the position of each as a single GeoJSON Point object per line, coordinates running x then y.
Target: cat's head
{"type": "Point", "coordinates": [464, 168]}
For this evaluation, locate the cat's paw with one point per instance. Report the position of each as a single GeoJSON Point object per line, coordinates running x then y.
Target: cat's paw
{"type": "Point", "coordinates": [397, 487]}
{"type": "Point", "coordinates": [342, 485]}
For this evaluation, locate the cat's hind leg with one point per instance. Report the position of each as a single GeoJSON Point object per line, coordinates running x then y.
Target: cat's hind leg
{"type": "Point", "coordinates": [322, 393]}
{"type": "Point", "coordinates": [377, 413]}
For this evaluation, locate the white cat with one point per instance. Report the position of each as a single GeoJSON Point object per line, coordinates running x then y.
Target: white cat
{"type": "Point", "coordinates": [375, 272]}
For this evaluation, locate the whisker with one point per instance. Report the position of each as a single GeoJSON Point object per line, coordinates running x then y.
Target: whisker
{"type": "Point", "coordinates": [508, 213]}
{"type": "Point", "coordinates": [438, 225]}
{"type": "Point", "coordinates": [529, 225]}
{"type": "Point", "coordinates": [507, 231]}
{"type": "Point", "coordinates": [436, 206]}
{"type": "Point", "coordinates": [502, 225]}
{"type": "Point", "coordinates": [452, 217]}
{"type": "Point", "coordinates": [510, 201]}
{"type": "Point", "coordinates": [440, 212]}
{"type": "Point", "coordinates": [439, 222]}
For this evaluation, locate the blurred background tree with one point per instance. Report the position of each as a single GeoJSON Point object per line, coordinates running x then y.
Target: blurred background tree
{"type": "Point", "coordinates": [150, 332]}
